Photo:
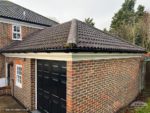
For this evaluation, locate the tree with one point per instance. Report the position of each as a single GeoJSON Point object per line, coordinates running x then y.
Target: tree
{"type": "Point", "coordinates": [140, 11]}
{"type": "Point", "coordinates": [89, 21]}
{"type": "Point", "coordinates": [124, 15]}
{"type": "Point", "coordinates": [131, 25]}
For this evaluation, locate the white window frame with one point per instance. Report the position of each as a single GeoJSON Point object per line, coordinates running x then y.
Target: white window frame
{"type": "Point", "coordinates": [16, 32]}
{"type": "Point", "coordinates": [19, 84]}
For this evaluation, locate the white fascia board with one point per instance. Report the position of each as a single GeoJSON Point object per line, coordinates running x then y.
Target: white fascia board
{"type": "Point", "coordinates": [10, 21]}
{"type": "Point", "coordinates": [42, 56]}
{"type": "Point", "coordinates": [103, 56]}
{"type": "Point", "coordinates": [73, 56]}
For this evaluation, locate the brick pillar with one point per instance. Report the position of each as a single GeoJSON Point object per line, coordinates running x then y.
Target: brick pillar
{"type": "Point", "coordinates": [32, 84]}
{"type": "Point", "coordinates": [69, 87]}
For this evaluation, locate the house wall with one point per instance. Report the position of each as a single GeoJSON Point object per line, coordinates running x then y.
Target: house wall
{"type": "Point", "coordinates": [6, 33]}
{"type": "Point", "coordinates": [2, 66]}
{"type": "Point", "coordinates": [25, 94]}
{"type": "Point", "coordinates": [6, 39]}
{"type": "Point", "coordinates": [101, 86]}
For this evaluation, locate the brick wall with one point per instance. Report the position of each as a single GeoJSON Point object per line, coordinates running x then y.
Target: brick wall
{"type": "Point", "coordinates": [101, 86]}
{"type": "Point", "coordinates": [2, 66]}
{"type": "Point", "coordinates": [27, 30]}
{"type": "Point", "coordinates": [5, 91]}
{"type": "Point", "coordinates": [33, 84]}
{"type": "Point", "coordinates": [6, 39]}
{"type": "Point", "coordinates": [6, 33]}
{"type": "Point", "coordinates": [24, 94]}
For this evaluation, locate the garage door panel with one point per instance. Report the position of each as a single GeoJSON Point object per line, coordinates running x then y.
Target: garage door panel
{"type": "Point", "coordinates": [52, 86]}
{"type": "Point", "coordinates": [63, 95]}
{"type": "Point", "coordinates": [39, 82]}
{"type": "Point", "coordinates": [46, 103]}
{"type": "Point", "coordinates": [40, 67]}
{"type": "Point", "coordinates": [46, 83]}
{"type": "Point", "coordinates": [63, 106]}
{"type": "Point", "coordinates": [63, 70]}
{"type": "Point", "coordinates": [46, 66]}
{"type": "Point", "coordinates": [40, 101]}
{"type": "Point", "coordinates": [55, 104]}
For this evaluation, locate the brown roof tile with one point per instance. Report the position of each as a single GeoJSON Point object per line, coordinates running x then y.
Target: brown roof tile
{"type": "Point", "coordinates": [13, 11]}
{"type": "Point", "coordinates": [72, 36]}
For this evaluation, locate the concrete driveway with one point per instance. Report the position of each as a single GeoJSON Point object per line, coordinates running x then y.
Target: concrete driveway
{"type": "Point", "coordinates": [10, 105]}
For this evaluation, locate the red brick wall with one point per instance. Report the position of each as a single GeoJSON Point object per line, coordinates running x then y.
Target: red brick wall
{"type": "Point", "coordinates": [2, 66]}
{"type": "Point", "coordinates": [23, 94]}
{"type": "Point", "coordinates": [101, 86]}
{"type": "Point", "coordinates": [6, 39]}
{"type": "Point", "coordinates": [33, 84]}
{"type": "Point", "coordinates": [27, 30]}
{"type": "Point", "coordinates": [5, 91]}
{"type": "Point", "coordinates": [6, 33]}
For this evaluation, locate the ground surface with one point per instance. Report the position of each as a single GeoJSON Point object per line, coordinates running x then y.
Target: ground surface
{"type": "Point", "coordinates": [144, 97]}
{"type": "Point", "coordinates": [7, 103]}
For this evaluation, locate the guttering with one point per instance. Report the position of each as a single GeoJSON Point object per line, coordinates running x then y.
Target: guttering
{"type": "Point", "coordinates": [76, 50]}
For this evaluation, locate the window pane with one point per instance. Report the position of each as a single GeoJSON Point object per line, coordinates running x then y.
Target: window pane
{"type": "Point", "coordinates": [20, 80]}
{"type": "Point", "coordinates": [14, 35]}
{"type": "Point", "coordinates": [19, 74]}
{"type": "Point", "coordinates": [17, 78]}
{"type": "Point", "coordinates": [16, 32]}
{"type": "Point", "coordinates": [20, 70]}
{"type": "Point", "coordinates": [15, 29]}
{"type": "Point", "coordinates": [18, 36]}
{"type": "Point", "coordinates": [18, 29]}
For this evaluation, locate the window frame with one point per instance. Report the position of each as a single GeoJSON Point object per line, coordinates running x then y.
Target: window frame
{"type": "Point", "coordinates": [20, 32]}
{"type": "Point", "coordinates": [18, 84]}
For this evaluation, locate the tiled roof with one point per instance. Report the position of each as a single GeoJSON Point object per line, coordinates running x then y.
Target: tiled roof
{"type": "Point", "coordinates": [72, 36]}
{"type": "Point", "coordinates": [13, 11]}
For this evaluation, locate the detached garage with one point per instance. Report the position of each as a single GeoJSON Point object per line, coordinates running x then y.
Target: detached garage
{"type": "Point", "coordinates": [74, 68]}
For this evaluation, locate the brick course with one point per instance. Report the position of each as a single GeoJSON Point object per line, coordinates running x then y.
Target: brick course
{"type": "Point", "coordinates": [5, 91]}
{"type": "Point", "coordinates": [101, 86]}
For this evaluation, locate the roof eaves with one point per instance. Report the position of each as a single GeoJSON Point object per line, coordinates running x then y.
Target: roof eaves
{"type": "Point", "coordinates": [77, 49]}
{"type": "Point", "coordinates": [46, 25]}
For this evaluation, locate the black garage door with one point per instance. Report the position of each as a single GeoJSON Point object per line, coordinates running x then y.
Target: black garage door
{"type": "Point", "coordinates": [51, 86]}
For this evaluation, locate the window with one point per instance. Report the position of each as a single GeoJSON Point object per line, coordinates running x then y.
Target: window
{"type": "Point", "coordinates": [16, 32]}
{"type": "Point", "coordinates": [19, 76]}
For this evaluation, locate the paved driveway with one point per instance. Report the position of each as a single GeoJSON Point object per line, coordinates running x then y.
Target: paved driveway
{"type": "Point", "coordinates": [9, 105]}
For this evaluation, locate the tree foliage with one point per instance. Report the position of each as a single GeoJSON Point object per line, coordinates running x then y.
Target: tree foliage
{"type": "Point", "coordinates": [130, 24]}
{"type": "Point", "coordinates": [89, 21]}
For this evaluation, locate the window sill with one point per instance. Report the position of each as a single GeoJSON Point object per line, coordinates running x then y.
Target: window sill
{"type": "Point", "coordinates": [19, 85]}
{"type": "Point", "coordinates": [17, 39]}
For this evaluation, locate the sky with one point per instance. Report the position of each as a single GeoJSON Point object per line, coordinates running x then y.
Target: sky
{"type": "Point", "coordinates": [101, 11]}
